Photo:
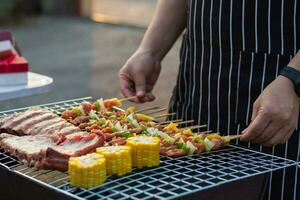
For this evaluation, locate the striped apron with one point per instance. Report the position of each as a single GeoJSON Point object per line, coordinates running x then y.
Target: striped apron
{"type": "Point", "coordinates": [231, 50]}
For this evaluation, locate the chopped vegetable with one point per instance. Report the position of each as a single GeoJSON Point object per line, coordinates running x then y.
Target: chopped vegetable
{"type": "Point", "coordinates": [143, 117]}
{"type": "Point", "coordinates": [213, 136]}
{"type": "Point", "coordinates": [209, 144]}
{"type": "Point", "coordinates": [172, 127]}
{"type": "Point", "coordinates": [100, 105]}
{"type": "Point", "coordinates": [93, 115]}
{"type": "Point", "coordinates": [144, 151]}
{"type": "Point", "coordinates": [118, 126]}
{"type": "Point", "coordinates": [130, 119]}
{"type": "Point", "coordinates": [87, 171]}
{"type": "Point", "coordinates": [187, 132]}
{"type": "Point", "coordinates": [131, 109]}
{"type": "Point", "coordinates": [191, 147]}
{"type": "Point", "coordinates": [127, 134]}
{"type": "Point", "coordinates": [78, 111]}
{"type": "Point", "coordinates": [118, 159]}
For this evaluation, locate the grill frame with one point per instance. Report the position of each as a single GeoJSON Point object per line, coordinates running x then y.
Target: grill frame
{"type": "Point", "coordinates": [174, 178]}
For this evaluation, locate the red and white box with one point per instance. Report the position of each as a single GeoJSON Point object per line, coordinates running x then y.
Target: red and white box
{"type": "Point", "coordinates": [13, 67]}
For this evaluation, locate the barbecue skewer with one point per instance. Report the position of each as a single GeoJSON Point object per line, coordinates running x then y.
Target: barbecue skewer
{"type": "Point", "coordinates": [178, 123]}
{"type": "Point", "coordinates": [233, 137]}
{"type": "Point", "coordinates": [194, 127]}
{"type": "Point", "coordinates": [127, 98]}
{"type": "Point", "coordinates": [164, 115]}
{"type": "Point", "coordinates": [156, 111]}
{"type": "Point", "coordinates": [168, 122]}
{"type": "Point", "coordinates": [146, 109]}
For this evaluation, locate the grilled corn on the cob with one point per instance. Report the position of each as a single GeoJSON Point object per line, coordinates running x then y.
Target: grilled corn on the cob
{"type": "Point", "coordinates": [87, 171]}
{"type": "Point", "coordinates": [118, 159]}
{"type": "Point", "coordinates": [144, 151]}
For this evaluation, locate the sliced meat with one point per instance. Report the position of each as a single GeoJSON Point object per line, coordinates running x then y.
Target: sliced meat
{"type": "Point", "coordinates": [200, 147]}
{"type": "Point", "coordinates": [80, 119]}
{"type": "Point", "coordinates": [171, 151]}
{"type": "Point", "coordinates": [175, 153]}
{"type": "Point", "coordinates": [24, 127]}
{"type": "Point", "coordinates": [36, 121]}
{"type": "Point", "coordinates": [56, 157]}
{"type": "Point", "coordinates": [218, 143]}
{"type": "Point", "coordinates": [26, 148]}
{"type": "Point", "coordinates": [118, 141]}
{"type": "Point", "coordinates": [51, 152]}
{"type": "Point", "coordinates": [10, 122]}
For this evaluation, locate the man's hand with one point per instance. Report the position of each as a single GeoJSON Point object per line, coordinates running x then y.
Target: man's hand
{"type": "Point", "coordinates": [138, 76]}
{"type": "Point", "coordinates": [275, 114]}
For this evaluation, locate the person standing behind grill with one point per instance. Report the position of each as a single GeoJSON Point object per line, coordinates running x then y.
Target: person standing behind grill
{"type": "Point", "coordinates": [231, 56]}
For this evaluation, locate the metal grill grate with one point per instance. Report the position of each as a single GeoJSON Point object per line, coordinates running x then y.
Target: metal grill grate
{"type": "Point", "coordinates": [175, 177]}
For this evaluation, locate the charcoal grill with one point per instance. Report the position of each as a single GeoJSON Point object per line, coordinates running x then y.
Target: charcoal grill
{"type": "Point", "coordinates": [175, 178]}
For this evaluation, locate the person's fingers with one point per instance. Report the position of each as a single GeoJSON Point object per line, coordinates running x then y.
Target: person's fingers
{"type": "Point", "coordinates": [140, 86]}
{"type": "Point", "coordinates": [256, 127]}
{"type": "Point", "coordinates": [268, 133]}
{"type": "Point", "coordinates": [150, 96]}
{"type": "Point", "coordinates": [278, 137]}
{"type": "Point", "coordinates": [287, 137]}
{"type": "Point", "coordinates": [126, 86]}
{"type": "Point", "coordinates": [255, 109]}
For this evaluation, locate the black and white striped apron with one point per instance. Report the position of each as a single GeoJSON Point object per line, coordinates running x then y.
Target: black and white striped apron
{"type": "Point", "coordinates": [231, 50]}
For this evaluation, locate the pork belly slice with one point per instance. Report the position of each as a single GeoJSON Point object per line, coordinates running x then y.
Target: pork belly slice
{"type": "Point", "coordinates": [57, 157]}
{"type": "Point", "coordinates": [36, 121]}
{"type": "Point", "coordinates": [50, 152]}
{"type": "Point", "coordinates": [28, 149]}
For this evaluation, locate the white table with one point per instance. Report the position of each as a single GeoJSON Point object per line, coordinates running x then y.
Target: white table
{"type": "Point", "coordinates": [37, 84]}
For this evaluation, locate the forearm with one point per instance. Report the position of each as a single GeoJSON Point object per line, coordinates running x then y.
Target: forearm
{"type": "Point", "coordinates": [295, 62]}
{"type": "Point", "coordinates": [167, 24]}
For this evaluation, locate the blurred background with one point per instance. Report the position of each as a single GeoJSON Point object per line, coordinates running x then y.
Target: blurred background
{"type": "Point", "coordinates": [82, 44]}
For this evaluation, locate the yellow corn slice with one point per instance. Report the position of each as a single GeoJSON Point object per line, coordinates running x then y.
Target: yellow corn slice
{"type": "Point", "coordinates": [213, 136]}
{"type": "Point", "coordinates": [171, 127]}
{"type": "Point", "coordinates": [87, 171]}
{"type": "Point", "coordinates": [118, 159]}
{"type": "Point", "coordinates": [144, 151]}
{"type": "Point", "coordinates": [131, 109]}
{"type": "Point", "coordinates": [187, 131]}
{"type": "Point", "coordinates": [115, 102]}
{"type": "Point", "coordinates": [143, 117]}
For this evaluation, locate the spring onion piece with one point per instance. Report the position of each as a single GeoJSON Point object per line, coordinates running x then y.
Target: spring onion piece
{"type": "Point", "coordinates": [209, 144]}
{"type": "Point", "coordinates": [77, 111]}
{"type": "Point", "coordinates": [130, 119]}
{"type": "Point", "coordinates": [191, 147]}
{"type": "Point", "coordinates": [101, 105]}
{"type": "Point", "coordinates": [93, 115]}
{"type": "Point", "coordinates": [127, 134]}
{"type": "Point", "coordinates": [118, 126]}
